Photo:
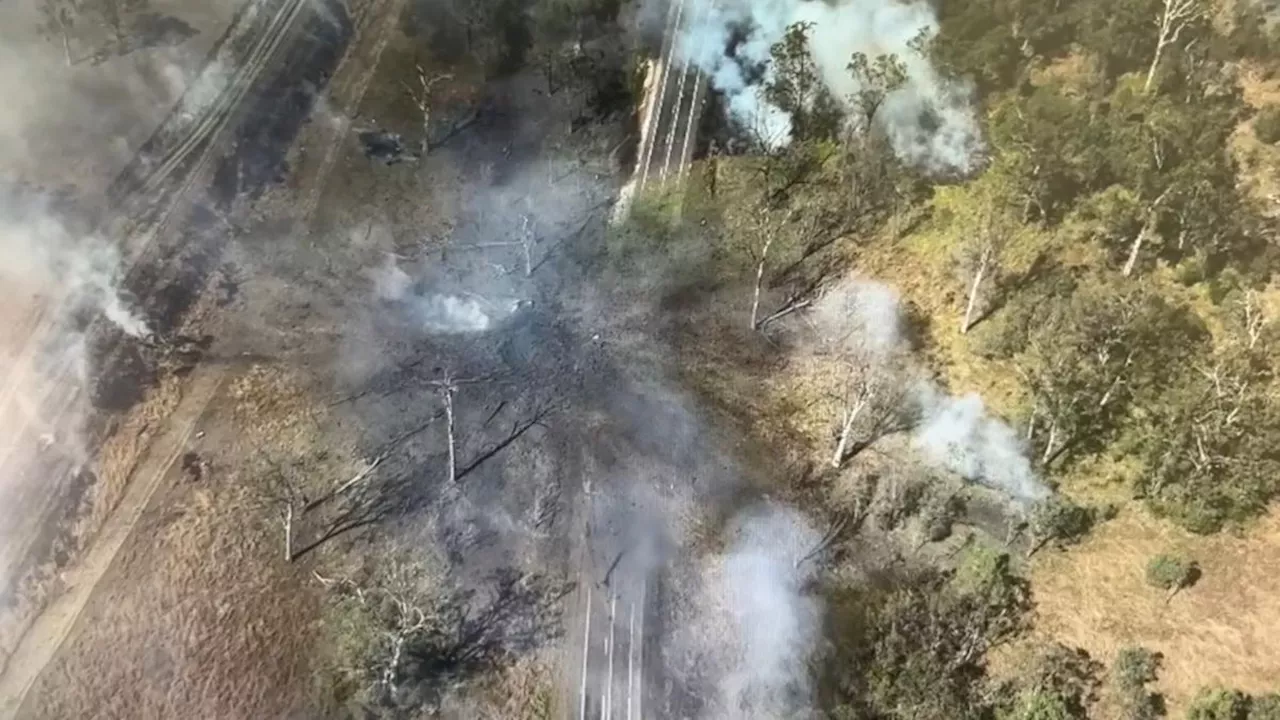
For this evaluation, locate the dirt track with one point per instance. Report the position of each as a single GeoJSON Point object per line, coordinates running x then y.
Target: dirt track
{"type": "Point", "coordinates": [45, 636]}
{"type": "Point", "coordinates": [163, 217]}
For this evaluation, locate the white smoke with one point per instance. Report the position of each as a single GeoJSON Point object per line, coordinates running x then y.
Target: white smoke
{"type": "Point", "coordinates": [955, 433]}
{"type": "Point", "coordinates": [930, 120]}
{"type": "Point", "coordinates": [439, 313]}
{"type": "Point", "coordinates": [754, 626]}
{"type": "Point", "coordinates": [958, 434]}
{"type": "Point", "coordinates": [860, 315]}
{"type": "Point", "coordinates": [42, 259]}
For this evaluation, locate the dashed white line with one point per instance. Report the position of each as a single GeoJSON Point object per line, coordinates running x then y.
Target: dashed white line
{"type": "Point", "coordinates": [607, 711]}
{"type": "Point", "coordinates": [631, 661]}
{"type": "Point", "coordinates": [586, 648]}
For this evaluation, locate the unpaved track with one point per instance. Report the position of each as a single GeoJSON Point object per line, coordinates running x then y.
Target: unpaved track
{"type": "Point", "coordinates": [41, 642]}
{"type": "Point", "coordinates": [39, 387]}
{"type": "Point", "coordinates": [351, 82]}
{"type": "Point", "coordinates": [161, 213]}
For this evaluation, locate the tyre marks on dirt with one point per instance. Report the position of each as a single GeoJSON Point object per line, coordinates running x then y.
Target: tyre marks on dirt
{"type": "Point", "coordinates": [51, 629]}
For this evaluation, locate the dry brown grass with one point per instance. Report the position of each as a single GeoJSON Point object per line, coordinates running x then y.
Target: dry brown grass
{"type": "Point", "coordinates": [117, 459]}
{"type": "Point", "coordinates": [200, 616]}
{"type": "Point", "coordinates": [1224, 630]}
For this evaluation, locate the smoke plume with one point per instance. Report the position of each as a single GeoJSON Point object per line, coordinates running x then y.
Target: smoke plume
{"type": "Point", "coordinates": [41, 257]}
{"type": "Point", "coordinates": [930, 120]}
{"type": "Point", "coordinates": [955, 433]}
{"type": "Point", "coordinates": [753, 625]}
{"type": "Point", "coordinates": [958, 434]}
{"type": "Point", "coordinates": [438, 313]}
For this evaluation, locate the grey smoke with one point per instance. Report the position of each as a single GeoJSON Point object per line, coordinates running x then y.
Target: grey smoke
{"type": "Point", "coordinates": [440, 313]}
{"type": "Point", "coordinates": [958, 434]}
{"type": "Point", "coordinates": [930, 121]}
{"type": "Point", "coordinates": [41, 257]}
{"type": "Point", "coordinates": [955, 433]}
{"type": "Point", "coordinates": [754, 623]}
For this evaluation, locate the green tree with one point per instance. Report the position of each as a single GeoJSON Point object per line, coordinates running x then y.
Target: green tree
{"type": "Point", "coordinates": [1052, 146]}
{"type": "Point", "coordinates": [1134, 669]}
{"type": "Point", "coordinates": [1122, 34]}
{"type": "Point", "coordinates": [1059, 520]}
{"type": "Point", "coordinates": [797, 88]}
{"type": "Point", "coordinates": [917, 650]}
{"type": "Point", "coordinates": [1171, 573]}
{"type": "Point", "coordinates": [1168, 160]}
{"type": "Point", "coordinates": [1091, 356]}
{"type": "Point", "coordinates": [1060, 682]}
{"type": "Point", "coordinates": [995, 42]}
{"type": "Point", "coordinates": [1219, 704]}
{"type": "Point", "coordinates": [876, 79]}
{"type": "Point", "coordinates": [1209, 443]}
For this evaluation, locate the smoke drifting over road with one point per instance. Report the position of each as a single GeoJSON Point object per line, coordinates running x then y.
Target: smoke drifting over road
{"type": "Point", "coordinates": [751, 626]}
{"type": "Point", "coordinates": [930, 120]}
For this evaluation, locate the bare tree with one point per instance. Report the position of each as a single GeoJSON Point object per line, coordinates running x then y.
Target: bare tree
{"type": "Point", "coordinates": [282, 491]}
{"type": "Point", "coordinates": [871, 397]}
{"type": "Point", "coordinates": [426, 632]}
{"type": "Point", "coordinates": [760, 257]}
{"type": "Point", "coordinates": [859, 331]}
{"type": "Point", "coordinates": [993, 233]}
{"type": "Point", "coordinates": [1175, 17]}
{"type": "Point", "coordinates": [406, 602]}
{"type": "Point", "coordinates": [447, 386]}
{"type": "Point", "coordinates": [1148, 229]}
{"type": "Point", "coordinates": [421, 97]}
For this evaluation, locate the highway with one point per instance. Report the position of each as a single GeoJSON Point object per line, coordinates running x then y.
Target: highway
{"type": "Point", "coordinates": [675, 92]}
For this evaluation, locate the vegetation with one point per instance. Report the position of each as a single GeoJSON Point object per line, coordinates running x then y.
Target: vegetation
{"type": "Point", "coordinates": [1266, 125]}
{"type": "Point", "coordinates": [1106, 265]}
{"type": "Point", "coordinates": [1219, 704]}
{"type": "Point", "coordinates": [1171, 573]}
{"type": "Point", "coordinates": [1106, 251]}
{"type": "Point", "coordinates": [1135, 668]}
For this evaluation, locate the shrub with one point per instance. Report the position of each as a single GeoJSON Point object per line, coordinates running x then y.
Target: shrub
{"type": "Point", "coordinates": [1266, 126]}
{"type": "Point", "coordinates": [1219, 704]}
{"type": "Point", "coordinates": [1265, 707]}
{"type": "Point", "coordinates": [1172, 573]}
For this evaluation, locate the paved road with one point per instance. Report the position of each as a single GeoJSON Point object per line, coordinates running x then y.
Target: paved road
{"type": "Point", "coordinates": [673, 104]}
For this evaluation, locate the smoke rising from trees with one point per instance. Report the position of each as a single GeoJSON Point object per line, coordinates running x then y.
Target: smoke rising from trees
{"type": "Point", "coordinates": [929, 121]}
{"type": "Point", "coordinates": [955, 433]}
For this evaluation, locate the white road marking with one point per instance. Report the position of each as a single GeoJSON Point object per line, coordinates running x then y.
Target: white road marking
{"type": "Point", "coordinates": [631, 660]}
{"type": "Point", "coordinates": [640, 666]}
{"type": "Point", "coordinates": [586, 647]}
{"type": "Point", "coordinates": [607, 711]}
{"type": "Point", "coordinates": [662, 89]}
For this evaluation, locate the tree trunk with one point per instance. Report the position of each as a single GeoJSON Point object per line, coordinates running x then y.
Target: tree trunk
{"type": "Point", "coordinates": [755, 298]}
{"type": "Point", "coordinates": [288, 533]}
{"type": "Point", "coordinates": [973, 291]}
{"type": "Point", "coordinates": [1049, 444]}
{"type": "Point", "coordinates": [837, 459]}
{"type": "Point", "coordinates": [1155, 62]}
{"type": "Point", "coordinates": [448, 413]}
{"type": "Point", "coordinates": [1133, 252]}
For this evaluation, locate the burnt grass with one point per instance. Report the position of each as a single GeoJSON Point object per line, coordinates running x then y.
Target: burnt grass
{"type": "Point", "coordinates": [170, 278]}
